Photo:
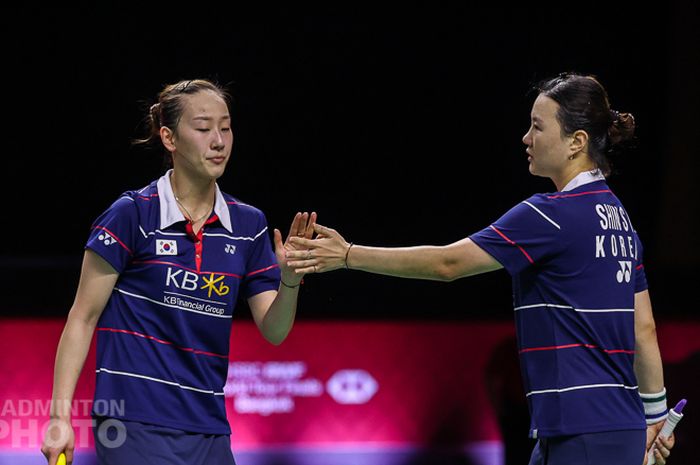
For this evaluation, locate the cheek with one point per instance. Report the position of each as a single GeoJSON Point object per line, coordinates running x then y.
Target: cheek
{"type": "Point", "coordinates": [548, 141]}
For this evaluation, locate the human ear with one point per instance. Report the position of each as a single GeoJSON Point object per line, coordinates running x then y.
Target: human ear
{"type": "Point", "coordinates": [167, 137]}
{"type": "Point", "coordinates": [579, 142]}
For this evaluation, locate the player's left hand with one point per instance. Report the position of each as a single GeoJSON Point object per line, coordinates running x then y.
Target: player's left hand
{"type": "Point", "coordinates": [302, 226]}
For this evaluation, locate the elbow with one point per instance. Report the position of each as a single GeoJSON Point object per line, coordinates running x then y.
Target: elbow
{"type": "Point", "coordinates": [86, 320]}
{"type": "Point", "coordinates": [446, 272]}
{"type": "Point", "coordinates": [646, 331]}
{"type": "Point", "coordinates": [453, 263]}
{"type": "Point", "coordinates": [276, 338]}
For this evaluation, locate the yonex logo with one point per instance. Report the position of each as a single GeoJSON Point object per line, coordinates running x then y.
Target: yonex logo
{"type": "Point", "coordinates": [625, 271]}
{"type": "Point", "coordinates": [352, 386]}
{"type": "Point", "coordinates": [106, 238]}
{"type": "Point", "coordinates": [230, 248]}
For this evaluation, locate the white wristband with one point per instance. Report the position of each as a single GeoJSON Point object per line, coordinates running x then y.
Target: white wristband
{"type": "Point", "coordinates": [655, 407]}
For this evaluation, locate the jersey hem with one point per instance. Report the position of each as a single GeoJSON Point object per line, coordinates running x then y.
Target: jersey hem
{"type": "Point", "coordinates": [550, 433]}
{"type": "Point", "coordinates": [187, 427]}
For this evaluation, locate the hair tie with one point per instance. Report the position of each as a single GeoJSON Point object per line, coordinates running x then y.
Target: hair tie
{"type": "Point", "coordinates": [615, 116]}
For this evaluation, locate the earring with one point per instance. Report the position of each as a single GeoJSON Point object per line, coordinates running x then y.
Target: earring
{"type": "Point", "coordinates": [571, 157]}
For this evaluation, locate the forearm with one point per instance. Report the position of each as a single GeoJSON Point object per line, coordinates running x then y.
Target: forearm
{"type": "Point", "coordinates": [72, 350]}
{"type": "Point", "coordinates": [647, 359]}
{"type": "Point", "coordinates": [439, 263]}
{"type": "Point", "coordinates": [279, 318]}
{"type": "Point", "coordinates": [647, 362]}
{"type": "Point", "coordinates": [421, 262]}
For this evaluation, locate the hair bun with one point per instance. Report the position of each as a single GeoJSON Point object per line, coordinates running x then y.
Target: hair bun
{"type": "Point", "coordinates": [154, 111]}
{"type": "Point", "coordinates": [621, 127]}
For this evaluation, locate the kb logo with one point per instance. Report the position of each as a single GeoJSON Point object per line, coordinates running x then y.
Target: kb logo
{"type": "Point", "coordinates": [625, 271]}
{"type": "Point", "coordinates": [189, 281]}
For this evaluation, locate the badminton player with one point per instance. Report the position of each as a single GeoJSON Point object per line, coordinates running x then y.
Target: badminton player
{"type": "Point", "coordinates": [586, 335]}
{"type": "Point", "coordinates": [162, 271]}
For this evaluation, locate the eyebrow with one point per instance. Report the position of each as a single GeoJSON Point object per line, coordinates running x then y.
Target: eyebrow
{"type": "Point", "coordinates": [209, 118]}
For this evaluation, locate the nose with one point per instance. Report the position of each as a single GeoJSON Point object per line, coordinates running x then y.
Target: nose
{"type": "Point", "coordinates": [218, 143]}
{"type": "Point", "coordinates": [527, 140]}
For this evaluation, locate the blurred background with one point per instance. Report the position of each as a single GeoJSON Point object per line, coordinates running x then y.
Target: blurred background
{"type": "Point", "coordinates": [399, 126]}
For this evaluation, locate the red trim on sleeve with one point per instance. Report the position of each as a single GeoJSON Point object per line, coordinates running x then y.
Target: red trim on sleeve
{"type": "Point", "coordinates": [262, 270]}
{"type": "Point", "coordinates": [513, 243]}
{"type": "Point", "coordinates": [115, 238]}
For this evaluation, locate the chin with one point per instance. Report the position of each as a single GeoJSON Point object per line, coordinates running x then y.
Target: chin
{"type": "Point", "coordinates": [537, 172]}
{"type": "Point", "coordinates": [216, 172]}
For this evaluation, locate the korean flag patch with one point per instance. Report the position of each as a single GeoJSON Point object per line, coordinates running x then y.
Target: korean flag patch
{"type": "Point", "coordinates": [166, 247]}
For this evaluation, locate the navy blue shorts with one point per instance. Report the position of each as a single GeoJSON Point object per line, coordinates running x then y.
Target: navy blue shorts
{"type": "Point", "coordinates": [122, 442]}
{"type": "Point", "coordinates": [611, 447]}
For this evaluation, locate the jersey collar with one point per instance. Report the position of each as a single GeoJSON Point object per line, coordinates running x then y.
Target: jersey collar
{"type": "Point", "coordinates": [584, 178]}
{"type": "Point", "coordinates": [171, 214]}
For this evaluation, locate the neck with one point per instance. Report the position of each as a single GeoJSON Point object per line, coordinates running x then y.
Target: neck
{"type": "Point", "coordinates": [570, 172]}
{"type": "Point", "coordinates": [193, 192]}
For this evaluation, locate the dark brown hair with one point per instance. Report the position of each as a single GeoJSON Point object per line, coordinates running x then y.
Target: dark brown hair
{"type": "Point", "coordinates": [170, 106]}
{"type": "Point", "coordinates": [584, 105]}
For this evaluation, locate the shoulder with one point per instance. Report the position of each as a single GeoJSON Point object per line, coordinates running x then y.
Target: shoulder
{"type": "Point", "coordinates": [536, 205]}
{"type": "Point", "coordinates": [132, 202]}
{"type": "Point", "coordinates": [536, 213]}
{"type": "Point", "coordinates": [242, 211]}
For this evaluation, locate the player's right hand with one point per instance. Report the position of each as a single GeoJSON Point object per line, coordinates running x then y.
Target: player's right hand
{"type": "Point", "coordinates": [59, 437]}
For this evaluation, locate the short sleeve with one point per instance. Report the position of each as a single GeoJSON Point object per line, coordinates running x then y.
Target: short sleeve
{"type": "Point", "coordinates": [263, 272]}
{"type": "Point", "coordinates": [640, 277]}
{"type": "Point", "coordinates": [527, 234]}
{"type": "Point", "coordinates": [113, 233]}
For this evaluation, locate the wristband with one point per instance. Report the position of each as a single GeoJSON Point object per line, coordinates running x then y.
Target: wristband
{"type": "Point", "coordinates": [655, 408]}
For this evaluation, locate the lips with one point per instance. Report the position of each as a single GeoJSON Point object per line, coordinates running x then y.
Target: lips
{"type": "Point", "coordinates": [217, 160]}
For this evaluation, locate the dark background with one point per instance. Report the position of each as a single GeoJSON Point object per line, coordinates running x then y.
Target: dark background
{"type": "Point", "coordinates": [398, 125]}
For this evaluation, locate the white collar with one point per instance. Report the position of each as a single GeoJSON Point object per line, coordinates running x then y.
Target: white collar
{"type": "Point", "coordinates": [171, 214]}
{"type": "Point", "coordinates": [582, 178]}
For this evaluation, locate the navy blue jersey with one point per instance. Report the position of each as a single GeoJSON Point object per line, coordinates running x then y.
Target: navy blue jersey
{"type": "Point", "coordinates": [576, 264]}
{"type": "Point", "coordinates": [163, 338]}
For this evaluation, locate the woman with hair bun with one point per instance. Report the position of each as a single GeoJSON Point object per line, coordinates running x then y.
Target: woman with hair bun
{"type": "Point", "coordinates": [587, 343]}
